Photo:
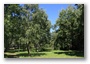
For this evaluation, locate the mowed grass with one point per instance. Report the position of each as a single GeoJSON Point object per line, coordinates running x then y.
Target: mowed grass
{"type": "Point", "coordinates": [51, 54]}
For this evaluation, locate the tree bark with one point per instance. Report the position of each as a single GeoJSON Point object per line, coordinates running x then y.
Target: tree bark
{"type": "Point", "coordinates": [28, 48]}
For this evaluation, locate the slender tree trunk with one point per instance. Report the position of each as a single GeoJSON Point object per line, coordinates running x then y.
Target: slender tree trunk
{"type": "Point", "coordinates": [28, 48]}
{"type": "Point", "coordinates": [28, 51]}
{"type": "Point", "coordinates": [23, 47]}
{"type": "Point", "coordinates": [6, 48]}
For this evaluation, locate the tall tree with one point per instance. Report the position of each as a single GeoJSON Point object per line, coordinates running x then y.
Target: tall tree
{"type": "Point", "coordinates": [69, 22]}
{"type": "Point", "coordinates": [27, 25]}
{"type": "Point", "coordinates": [10, 24]}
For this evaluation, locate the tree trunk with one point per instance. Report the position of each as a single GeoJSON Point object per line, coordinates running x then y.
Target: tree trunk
{"type": "Point", "coordinates": [28, 48]}
{"type": "Point", "coordinates": [6, 48]}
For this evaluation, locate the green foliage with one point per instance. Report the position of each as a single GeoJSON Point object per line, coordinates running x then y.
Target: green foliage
{"type": "Point", "coordinates": [27, 27]}
{"type": "Point", "coordinates": [69, 26]}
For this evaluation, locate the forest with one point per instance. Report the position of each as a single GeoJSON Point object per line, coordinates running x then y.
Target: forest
{"type": "Point", "coordinates": [27, 32]}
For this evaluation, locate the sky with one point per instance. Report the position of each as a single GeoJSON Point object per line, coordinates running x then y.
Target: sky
{"type": "Point", "coordinates": [53, 10]}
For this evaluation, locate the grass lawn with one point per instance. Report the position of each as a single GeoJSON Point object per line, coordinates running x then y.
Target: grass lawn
{"type": "Point", "coordinates": [51, 54]}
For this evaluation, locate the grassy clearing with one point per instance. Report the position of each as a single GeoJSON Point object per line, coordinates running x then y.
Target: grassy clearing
{"type": "Point", "coordinates": [51, 54]}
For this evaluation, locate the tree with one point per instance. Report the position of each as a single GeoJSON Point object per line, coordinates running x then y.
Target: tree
{"type": "Point", "coordinates": [26, 25]}
{"type": "Point", "coordinates": [10, 24]}
{"type": "Point", "coordinates": [69, 25]}
{"type": "Point", "coordinates": [80, 29]}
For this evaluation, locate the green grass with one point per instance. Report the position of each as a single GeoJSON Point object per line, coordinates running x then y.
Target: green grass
{"type": "Point", "coordinates": [51, 54]}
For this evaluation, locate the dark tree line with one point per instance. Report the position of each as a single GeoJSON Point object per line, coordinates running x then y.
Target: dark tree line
{"type": "Point", "coordinates": [70, 34]}
{"type": "Point", "coordinates": [27, 27]}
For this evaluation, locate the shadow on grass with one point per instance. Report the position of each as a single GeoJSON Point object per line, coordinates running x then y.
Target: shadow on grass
{"type": "Point", "coordinates": [24, 55]}
{"type": "Point", "coordinates": [73, 53]}
{"type": "Point", "coordinates": [31, 54]}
